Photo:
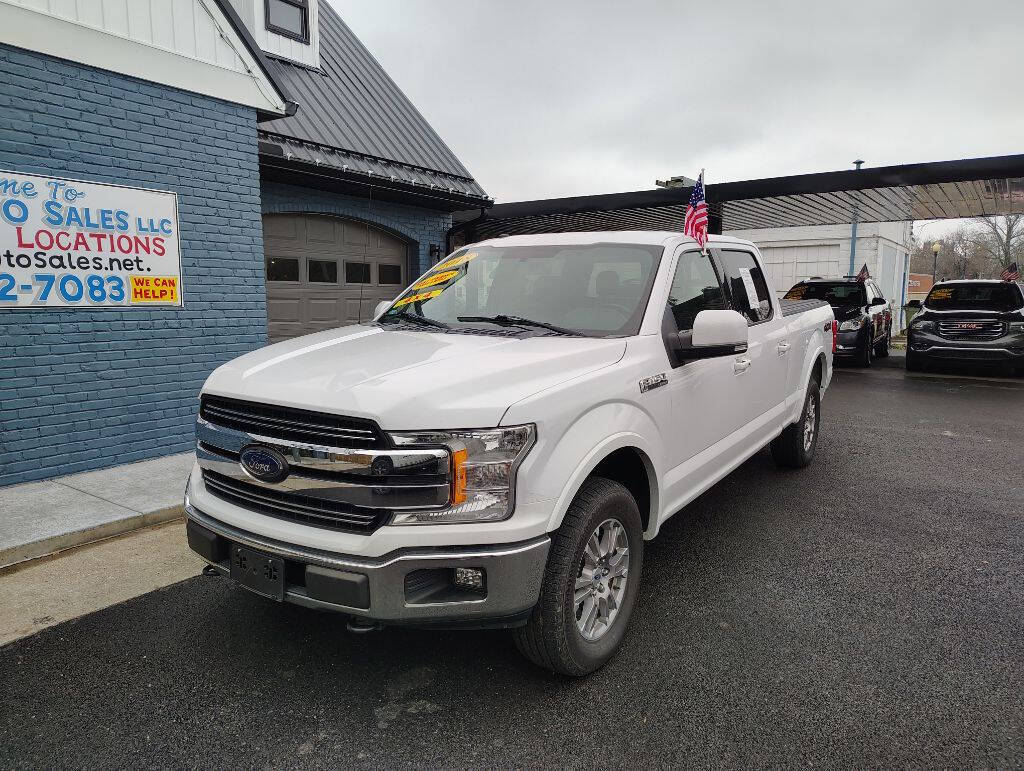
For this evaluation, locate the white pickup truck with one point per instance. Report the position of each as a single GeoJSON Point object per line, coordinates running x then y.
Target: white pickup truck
{"type": "Point", "coordinates": [496, 446]}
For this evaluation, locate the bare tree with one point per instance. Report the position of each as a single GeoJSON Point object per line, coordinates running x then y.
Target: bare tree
{"type": "Point", "coordinates": [1001, 239]}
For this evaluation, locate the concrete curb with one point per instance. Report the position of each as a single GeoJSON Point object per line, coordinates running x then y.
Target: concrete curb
{"type": "Point", "coordinates": [47, 546]}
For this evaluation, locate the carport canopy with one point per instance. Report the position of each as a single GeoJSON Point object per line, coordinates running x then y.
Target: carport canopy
{"type": "Point", "coordinates": [919, 191]}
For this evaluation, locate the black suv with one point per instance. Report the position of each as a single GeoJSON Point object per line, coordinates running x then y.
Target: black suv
{"type": "Point", "coordinates": [969, 321]}
{"type": "Point", "coordinates": [864, 315]}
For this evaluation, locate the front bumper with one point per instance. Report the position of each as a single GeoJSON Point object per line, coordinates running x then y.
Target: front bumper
{"type": "Point", "coordinates": [408, 586]}
{"type": "Point", "coordinates": [1008, 348]}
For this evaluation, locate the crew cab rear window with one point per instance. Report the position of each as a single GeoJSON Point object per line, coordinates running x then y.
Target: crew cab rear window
{"type": "Point", "coordinates": [737, 266]}
{"type": "Point", "coordinates": [987, 296]}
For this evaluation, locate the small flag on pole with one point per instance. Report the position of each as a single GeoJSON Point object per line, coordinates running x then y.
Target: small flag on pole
{"type": "Point", "coordinates": [864, 275]}
{"type": "Point", "coordinates": [1012, 273]}
{"type": "Point", "coordinates": [696, 223]}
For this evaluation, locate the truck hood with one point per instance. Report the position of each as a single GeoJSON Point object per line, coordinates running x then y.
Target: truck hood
{"type": "Point", "coordinates": [410, 380]}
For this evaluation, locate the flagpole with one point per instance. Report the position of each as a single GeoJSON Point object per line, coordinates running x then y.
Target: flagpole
{"type": "Point", "coordinates": [704, 246]}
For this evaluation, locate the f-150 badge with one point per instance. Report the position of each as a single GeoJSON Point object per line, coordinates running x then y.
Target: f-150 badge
{"type": "Point", "coordinates": [652, 382]}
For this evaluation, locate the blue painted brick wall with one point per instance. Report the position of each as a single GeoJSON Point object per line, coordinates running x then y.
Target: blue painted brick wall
{"type": "Point", "coordinates": [423, 227]}
{"type": "Point", "coordinates": [83, 389]}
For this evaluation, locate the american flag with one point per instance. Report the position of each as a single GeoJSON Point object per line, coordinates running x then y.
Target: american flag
{"type": "Point", "coordinates": [696, 223]}
{"type": "Point", "coordinates": [864, 275]}
{"type": "Point", "coordinates": [1012, 273]}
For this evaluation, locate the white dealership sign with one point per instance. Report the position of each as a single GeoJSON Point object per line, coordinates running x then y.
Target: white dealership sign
{"type": "Point", "coordinates": [71, 244]}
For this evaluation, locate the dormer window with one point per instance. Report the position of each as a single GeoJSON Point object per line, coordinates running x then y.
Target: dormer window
{"type": "Point", "coordinates": [289, 18]}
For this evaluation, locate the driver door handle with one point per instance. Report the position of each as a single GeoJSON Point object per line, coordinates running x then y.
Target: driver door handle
{"type": "Point", "coordinates": [740, 366]}
{"type": "Point", "coordinates": [784, 347]}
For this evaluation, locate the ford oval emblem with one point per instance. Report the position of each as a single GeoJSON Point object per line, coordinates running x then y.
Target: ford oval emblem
{"type": "Point", "coordinates": [263, 463]}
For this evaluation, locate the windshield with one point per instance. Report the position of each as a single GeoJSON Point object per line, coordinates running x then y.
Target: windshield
{"type": "Point", "coordinates": [598, 290]}
{"type": "Point", "coordinates": [984, 297]}
{"type": "Point", "coordinates": [836, 294]}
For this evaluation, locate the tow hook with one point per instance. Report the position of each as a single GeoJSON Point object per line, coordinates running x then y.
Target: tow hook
{"type": "Point", "coordinates": [362, 626]}
{"type": "Point", "coordinates": [210, 570]}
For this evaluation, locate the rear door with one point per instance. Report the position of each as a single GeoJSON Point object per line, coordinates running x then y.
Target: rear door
{"type": "Point", "coordinates": [763, 382]}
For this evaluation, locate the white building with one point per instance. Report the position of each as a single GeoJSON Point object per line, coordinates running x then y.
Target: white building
{"type": "Point", "coordinates": [796, 253]}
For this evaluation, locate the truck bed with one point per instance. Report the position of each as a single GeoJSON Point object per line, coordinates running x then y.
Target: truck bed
{"type": "Point", "coordinates": [794, 307]}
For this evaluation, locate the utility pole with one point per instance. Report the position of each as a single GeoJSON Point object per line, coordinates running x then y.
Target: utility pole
{"type": "Point", "coordinates": [853, 228]}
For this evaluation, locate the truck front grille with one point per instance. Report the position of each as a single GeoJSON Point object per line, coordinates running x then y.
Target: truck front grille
{"type": "Point", "coordinates": [275, 422]}
{"type": "Point", "coordinates": [968, 329]}
{"type": "Point", "coordinates": [293, 506]}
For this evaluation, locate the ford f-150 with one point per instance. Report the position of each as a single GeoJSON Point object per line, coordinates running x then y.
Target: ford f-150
{"type": "Point", "coordinates": [494, 448]}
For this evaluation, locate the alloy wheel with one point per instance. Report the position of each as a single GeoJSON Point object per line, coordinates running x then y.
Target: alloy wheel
{"type": "Point", "coordinates": [601, 581]}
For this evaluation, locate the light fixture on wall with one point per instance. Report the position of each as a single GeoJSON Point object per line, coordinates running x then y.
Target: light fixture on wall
{"type": "Point", "coordinates": [435, 252]}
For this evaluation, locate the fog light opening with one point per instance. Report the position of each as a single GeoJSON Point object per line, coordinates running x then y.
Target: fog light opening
{"type": "Point", "coordinates": [471, 578]}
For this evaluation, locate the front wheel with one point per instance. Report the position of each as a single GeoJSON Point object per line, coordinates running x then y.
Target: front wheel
{"type": "Point", "coordinates": [795, 446]}
{"type": "Point", "coordinates": [865, 354]}
{"type": "Point", "coordinates": [590, 583]}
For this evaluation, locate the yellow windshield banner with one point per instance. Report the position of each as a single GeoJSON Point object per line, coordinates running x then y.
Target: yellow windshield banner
{"type": "Point", "coordinates": [454, 262]}
{"type": "Point", "coordinates": [419, 297]}
{"type": "Point", "coordinates": [435, 278]}
{"type": "Point", "coordinates": [941, 294]}
{"type": "Point", "coordinates": [796, 293]}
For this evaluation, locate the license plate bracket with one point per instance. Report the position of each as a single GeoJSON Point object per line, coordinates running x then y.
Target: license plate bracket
{"type": "Point", "coordinates": [258, 572]}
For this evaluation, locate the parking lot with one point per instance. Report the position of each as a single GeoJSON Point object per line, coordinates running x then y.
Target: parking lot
{"type": "Point", "coordinates": [866, 611]}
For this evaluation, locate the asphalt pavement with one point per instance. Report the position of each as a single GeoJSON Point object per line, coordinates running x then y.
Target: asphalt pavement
{"type": "Point", "coordinates": [867, 611]}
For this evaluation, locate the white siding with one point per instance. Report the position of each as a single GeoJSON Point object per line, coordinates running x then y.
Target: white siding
{"type": "Point", "coordinates": [253, 13]}
{"type": "Point", "coordinates": [183, 27]}
{"type": "Point", "coordinates": [788, 264]}
{"type": "Point", "coordinates": [186, 44]}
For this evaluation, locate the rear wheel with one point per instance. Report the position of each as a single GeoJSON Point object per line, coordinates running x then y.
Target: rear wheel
{"type": "Point", "coordinates": [795, 446]}
{"type": "Point", "coordinates": [590, 583]}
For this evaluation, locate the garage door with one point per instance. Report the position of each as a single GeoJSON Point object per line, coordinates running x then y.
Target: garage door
{"type": "Point", "coordinates": [326, 272]}
{"type": "Point", "coordinates": [788, 264]}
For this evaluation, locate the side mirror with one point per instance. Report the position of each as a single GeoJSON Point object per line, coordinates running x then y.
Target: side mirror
{"type": "Point", "coordinates": [718, 333]}
{"type": "Point", "coordinates": [382, 306]}
{"type": "Point", "coordinates": [879, 301]}
{"type": "Point", "coordinates": [914, 304]}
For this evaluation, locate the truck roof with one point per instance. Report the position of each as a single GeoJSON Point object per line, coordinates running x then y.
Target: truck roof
{"type": "Point", "coordinates": [650, 237]}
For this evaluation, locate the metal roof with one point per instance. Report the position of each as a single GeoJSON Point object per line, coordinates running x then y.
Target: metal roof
{"type": "Point", "coordinates": [920, 191]}
{"type": "Point", "coordinates": [352, 115]}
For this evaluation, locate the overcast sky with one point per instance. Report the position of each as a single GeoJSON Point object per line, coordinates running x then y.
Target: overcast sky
{"type": "Point", "coordinates": [546, 98]}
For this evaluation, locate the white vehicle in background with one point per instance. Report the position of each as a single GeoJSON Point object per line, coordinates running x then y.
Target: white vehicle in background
{"type": "Point", "coordinates": [495, 448]}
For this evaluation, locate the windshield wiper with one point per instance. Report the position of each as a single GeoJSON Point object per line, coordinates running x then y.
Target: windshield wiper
{"type": "Point", "coordinates": [518, 321]}
{"type": "Point", "coordinates": [421, 320]}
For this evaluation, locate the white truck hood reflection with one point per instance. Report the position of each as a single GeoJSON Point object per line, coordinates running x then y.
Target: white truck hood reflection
{"type": "Point", "coordinates": [407, 380]}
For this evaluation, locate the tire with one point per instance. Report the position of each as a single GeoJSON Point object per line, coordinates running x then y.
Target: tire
{"type": "Point", "coordinates": [864, 356]}
{"type": "Point", "coordinates": [552, 637]}
{"type": "Point", "coordinates": [791, 448]}
{"type": "Point", "coordinates": [882, 349]}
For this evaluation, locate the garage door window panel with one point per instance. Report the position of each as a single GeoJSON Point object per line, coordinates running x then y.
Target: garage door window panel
{"type": "Point", "coordinates": [283, 269]}
{"type": "Point", "coordinates": [323, 272]}
{"type": "Point", "coordinates": [357, 273]}
{"type": "Point", "coordinates": [389, 275]}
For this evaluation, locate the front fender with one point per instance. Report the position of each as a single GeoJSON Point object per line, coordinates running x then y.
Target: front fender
{"type": "Point", "coordinates": [590, 439]}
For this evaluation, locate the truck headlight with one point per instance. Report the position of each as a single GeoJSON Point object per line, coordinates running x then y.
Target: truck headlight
{"type": "Point", "coordinates": [1017, 326]}
{"type": "Point", "coordinates": [924, 325]}
{"type": "Point", "coordinates": [851, 325]}
{"type": "Point", "coordinates": [483, 472]}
